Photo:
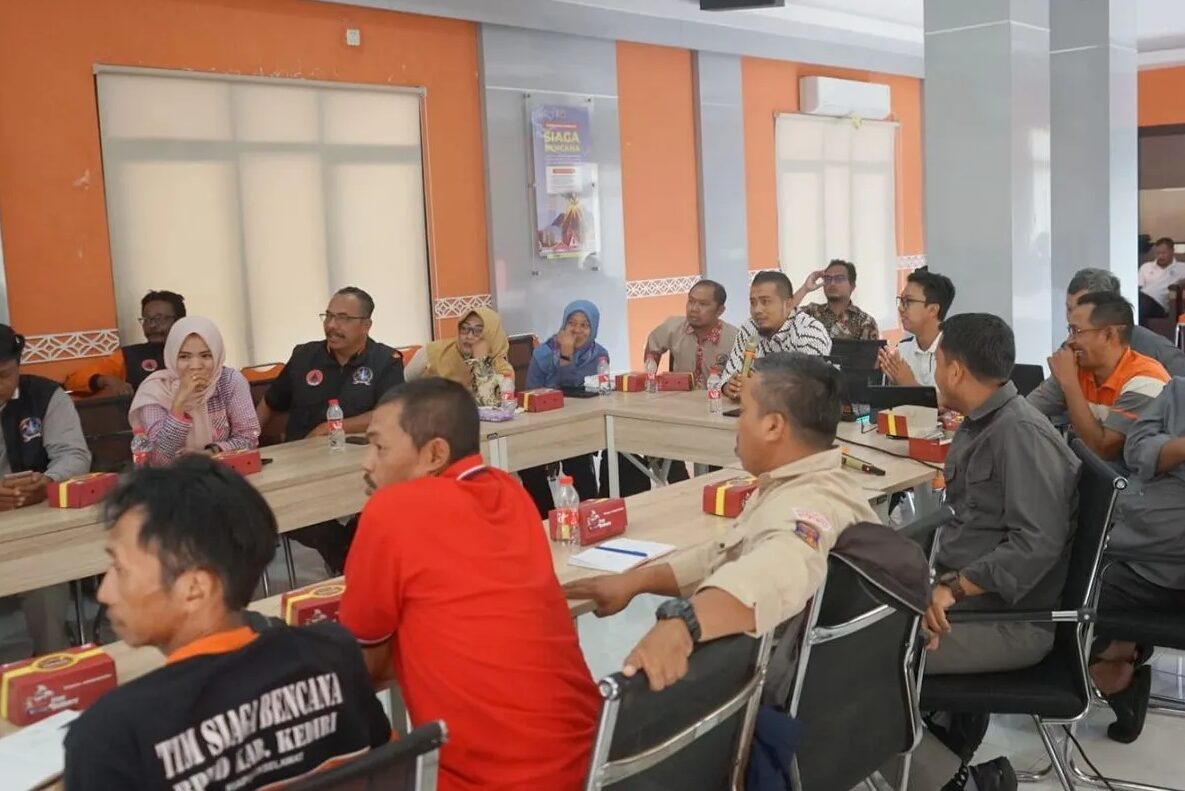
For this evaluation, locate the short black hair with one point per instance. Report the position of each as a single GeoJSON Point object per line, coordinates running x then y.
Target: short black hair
{"type": "Point", "coordinates": [12, 344]}
{"type": "Point", "coordinates": [1166, 240]}
{"type": "Point", "coordinates": [805, 390]}
{"type": "Point", "coordinates": [438, 408]}
{"type": "Point", "coordinates": [1110, 310]}
{"type": "Point", "coordinates": [938, 289]}
{"type": "Point", "coordinates": [848, 265]}
{"type": "Point", "coordinates": [1092, 280]}
{"type": "Point", "coordinates": [719, 295]}
{"type": "Point", "coordinates": [779, 279]}
{"type": "Point", "coordinates": [173, 298]}
{"type": "Point", "coordinates": [199, 513]}
{"type": "Point", "coordinates": [360, 295]}
{"type": "Point", "coordinates": [983, 343]}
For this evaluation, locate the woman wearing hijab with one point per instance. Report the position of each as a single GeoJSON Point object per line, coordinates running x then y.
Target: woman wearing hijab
{"type": "Point", "coordinates": [195, 405]}
{"type": "Point", "coordinates": [476, 358]}
{"type": "Point", "coordinates": [564, 360]}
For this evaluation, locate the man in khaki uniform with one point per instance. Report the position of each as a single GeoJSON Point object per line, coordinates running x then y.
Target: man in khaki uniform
{"type": "Point", "coordinates": [764, 570]}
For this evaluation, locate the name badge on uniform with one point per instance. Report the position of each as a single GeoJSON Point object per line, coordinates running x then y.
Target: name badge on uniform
{"type": "Point", "coordinates": [149, 365]}
{"type": "Point", "coordinates": [30, 429]}
{"type": "Point", "coordinates": [363, 376]}
{"type": "Point", "coordinates": [314, 377]}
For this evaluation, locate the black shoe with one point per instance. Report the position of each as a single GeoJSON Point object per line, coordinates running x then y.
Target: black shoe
{"type": "Point", "coordinates": [1131, 707]}
{"type": "Point", "coordinates": [995, 775]}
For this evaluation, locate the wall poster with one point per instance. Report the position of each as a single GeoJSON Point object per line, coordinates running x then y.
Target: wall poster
{"type": "Point", "coordinates": [564, 181]}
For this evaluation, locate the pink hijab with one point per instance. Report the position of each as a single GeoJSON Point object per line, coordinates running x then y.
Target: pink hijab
{"type": "Point", "coordinates": [161, 387]}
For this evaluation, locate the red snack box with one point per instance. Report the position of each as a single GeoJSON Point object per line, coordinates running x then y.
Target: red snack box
{"type": "Point", "coordinates": [244, 462]}
{"type": "Point", "coordinates": [312, 604]}
{"type": "Point", "coordinates": [892, 424]}
{"type": "Point", "coordinates": [81, 491]}
{"type": "Point", "coordinates": [728, 498]}
{"type": "Point", "coordinates": [599, 519]}
{"type": "Point", "coordinates": [33, 689]}
{"type": "Point", "coordinates": [931, 450]}
{"type": "Point", "coordinates": [674, 381]}
{"type": "Point", "coordinates": [632, 382]}
{"type": "Point", "coordinates": [543, 399]}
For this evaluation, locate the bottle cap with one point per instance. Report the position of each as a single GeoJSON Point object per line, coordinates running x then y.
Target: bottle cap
{"type": "Point", "coordinates": [566, 480]}
{"type": "Point", "coordinates": [139, 430]}
{"type": "Point", "coordinates": [333, 402]}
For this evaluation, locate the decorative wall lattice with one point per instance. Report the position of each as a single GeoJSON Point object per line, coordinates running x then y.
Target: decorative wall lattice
{"type": "Point", "coordinates": [457, 307]}
{"type": "Point", "coordinates": [659, 287]}
{"type": "Point", "coordinates": [70, 345]}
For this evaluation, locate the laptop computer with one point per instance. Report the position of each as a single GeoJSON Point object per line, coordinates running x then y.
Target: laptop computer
{"type": "Point", "coordinates": [889, 396]}
{"type": "Point", "coordinates": [853, 355]}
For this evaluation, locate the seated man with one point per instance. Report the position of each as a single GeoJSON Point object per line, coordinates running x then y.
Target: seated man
{"type": "Point", "coordinates": [1151, 521]}
{"type": "Point", "coordinates": [838, 315]}
{"type": "Point", "coordinates": [451, 590]}
{"type": "Point", "coordinates": [348, 366]}
{"type": "Point", "coordinates": [1144, 340]}
{"type": "Point", "coordinates": [122, 373]}
{"type": "Point", "coordinates": [1159, 280]}
{"type": "Point", "coordinates": [922, 306]}
{"type": "Point", "coordinates": [769, 565]}
{"type": "Point", "coordinates": [232, 707]}
{"type": "Point", "coordinates": [1097, 381]}
{"type": "Point", "coordinates": [1011, 480]}
{"type": "Point", "coordinates": [775, 325]}
{"type": "Point", "coordinates": [698, 340]}
{"type": "Point", "coordinates": [43, 442]}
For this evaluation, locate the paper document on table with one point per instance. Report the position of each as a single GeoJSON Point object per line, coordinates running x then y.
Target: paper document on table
{"type": "Point", "coordinates": [33, 756]}
{"type": "Point", "coordinates": [620, 554]}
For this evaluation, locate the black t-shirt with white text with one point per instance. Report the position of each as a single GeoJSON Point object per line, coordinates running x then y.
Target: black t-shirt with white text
{"type": "Point", "coordinates": [291, 701]}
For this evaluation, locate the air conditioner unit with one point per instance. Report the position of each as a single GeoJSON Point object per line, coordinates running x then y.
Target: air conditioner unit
{"type": "Point", "coordinates": [831, 96]}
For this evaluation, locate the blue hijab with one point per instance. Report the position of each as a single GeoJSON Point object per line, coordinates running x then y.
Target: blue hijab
{"type": "Point", "coordinates": [546, 371]}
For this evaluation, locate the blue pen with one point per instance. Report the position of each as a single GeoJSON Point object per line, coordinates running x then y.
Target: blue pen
{"type": "Point", "coordinates": [633, 552]}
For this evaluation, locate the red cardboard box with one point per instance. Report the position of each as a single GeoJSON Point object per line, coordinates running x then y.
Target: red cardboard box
{"type": "Point", "coordinates": [674, 381]}
{"type": "Point", "coordinates": [543, 399]}
{"type": "Point", "coordinates": [931, 450]}
{"type": "Point", "coordinates": [33, 689]}
{"type": "Point", "coordinates": [81, 491]}
{"type": "Point", "coordinates": [892, 424]}
{"type": "Point", "coordinates": [632, 382]}
{"type": "Point", "coordinates": [244, 462]}
{"type": "Point", "coordinates": [312, 604]}
{"type": "Point", "coordinates": [728, 498]}
{"type": "Point", "coordinates": [599, 519]}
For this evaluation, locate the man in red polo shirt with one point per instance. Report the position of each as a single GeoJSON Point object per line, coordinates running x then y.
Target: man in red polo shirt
{"type": "Point", "coordinates": [451, 590]}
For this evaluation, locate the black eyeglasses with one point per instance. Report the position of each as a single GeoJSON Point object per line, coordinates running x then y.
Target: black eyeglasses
{"type": "Point", "coordinates": [146, 320]}
{"type": "Point", "coordinates": [471, 329]}
{"type": "Point", "coordinates": [904, 302]}
{"type": "Point", "coordinates": [341, 318]}
{"type": "Point", "coordinates": [834, 279]}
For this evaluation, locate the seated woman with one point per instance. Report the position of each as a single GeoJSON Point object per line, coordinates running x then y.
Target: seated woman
{"type": "Point", "coordinates": [195, 405]}
{"type": "Point", "coordinates": [476, 358]}
{"type": "Point", "coordinates": [564, 360]}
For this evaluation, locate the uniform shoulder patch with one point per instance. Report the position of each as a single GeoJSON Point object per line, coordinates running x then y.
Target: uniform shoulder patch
{"type": "Point", "coordinates": [808, 533]}
{"type": "Point", "coordinates": [813, 518]}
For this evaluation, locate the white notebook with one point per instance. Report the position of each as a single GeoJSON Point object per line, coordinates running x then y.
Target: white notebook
{"type": "Point", "coordinates": [619, 554]}
{"type": "Point", "coordinates": [34, 756]}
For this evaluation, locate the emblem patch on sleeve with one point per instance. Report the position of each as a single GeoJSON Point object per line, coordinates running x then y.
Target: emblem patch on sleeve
{"type": "Point", "coordinates": [808, 533]}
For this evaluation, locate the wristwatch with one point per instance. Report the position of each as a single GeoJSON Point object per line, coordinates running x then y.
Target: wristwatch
{"type": "Point", "coordinates": [682, 609]}
{"type": "Point", "coordinates": [952, 581]}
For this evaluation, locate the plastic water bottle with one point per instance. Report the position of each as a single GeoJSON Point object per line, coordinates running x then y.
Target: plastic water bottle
{"type": "Point", "coordinates": [507, 389]}
{"type": "Point", "coordinates": [715, 383]}
{"type": "Point", "coordinates": [567, 512]}
{"type": "Point", "coordinates": [604, 387]}
{"type": "Point", "coordinates": [337, 431]}
{"type": "Point", "coordinates": [651, 375]}
{"type": "Point", "coordinates": [141, 448]}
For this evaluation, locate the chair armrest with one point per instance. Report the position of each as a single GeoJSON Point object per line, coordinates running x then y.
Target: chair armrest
{"type": "Point", "coordinates": [1021, 616]}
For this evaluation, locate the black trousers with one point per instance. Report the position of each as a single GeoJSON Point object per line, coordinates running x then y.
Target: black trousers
{"type": "Point", "coordinates": [331, 539]}
{"type": "Point", "coordinates": [1150, 309]}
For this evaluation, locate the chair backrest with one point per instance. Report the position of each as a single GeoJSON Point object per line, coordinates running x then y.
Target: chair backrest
{"type": "Point", "coordinates": [857, 631]}
{"type": "Point", "coordinates": [107, 431]}
{"type": "Point", "coordinates": [1098, 487]}
{"type": "Point", "coordinates": [519, 357]}
{"type": "Point", "coordinates": [267, 372]}
{"type": "Point", "coordinates": [1027, 378]}
{"type": "Point", "coordinates": [406, 764]}
{"type": "Point", "coordinates": [693, 734]}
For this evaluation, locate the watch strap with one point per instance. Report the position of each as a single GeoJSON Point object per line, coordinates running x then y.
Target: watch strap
{"type": "Point", "coordinates": [683, 610]}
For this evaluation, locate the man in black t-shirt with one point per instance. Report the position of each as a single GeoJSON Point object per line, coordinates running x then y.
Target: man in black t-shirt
{"type": "Point", "coordinates": [348, 366]}
{"type": "Point", "coordinates": [233, 708]}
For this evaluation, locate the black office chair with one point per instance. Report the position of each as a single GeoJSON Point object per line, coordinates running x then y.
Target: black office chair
{"type": "Point", "coordinates": [693, 734]}
{"type": "Point", "coordinates": [519, 357]}
{"type": "Point", "coordinates": [1027, 378]}
{"type": "Point", "coordinates": [409, 763]}
{"type": "Point", "coordinates": [865, 627]}
{"type": "Point", "coordinates": [107, 431]}
{"type": "Point", "coordinates": [1056, 691]}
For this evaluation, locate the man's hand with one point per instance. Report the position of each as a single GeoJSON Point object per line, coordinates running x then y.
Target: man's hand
{"type": "Point", "coordinates": [895, 368]}
{"type": "Point", "coordinates": [732, 388]}
{"type": "Point", "coordinates": [320, 431]}
{"type": "Point", "coordinates": [609, 592]}
{"type": "Point", "coordinates": [814, 281]}
{"type": "Point", "coordinates": [662, 654]}
{"type": "Point", "coordinates": [8, 498]}
{"type": "Point", "coordinates": [935, 621]}
{"type": "Point", "coordinates": [1063, 365]}
{"type": "Point", "coordinates": [113, 385]}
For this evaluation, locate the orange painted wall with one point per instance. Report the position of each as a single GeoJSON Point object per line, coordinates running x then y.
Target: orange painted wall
{"type": "Point", "coordinates": [771, 86]}
{"type": "Point", "coordinates": [659, 178]}
{"type": "Point", "coordinates": [56, 249]}
{"type": "Point", "coordinates": [1160, 96]}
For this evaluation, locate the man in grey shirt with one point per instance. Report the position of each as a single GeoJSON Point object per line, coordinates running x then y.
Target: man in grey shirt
{"type": "Point", "coordinates": [1012, 482]}
{"type": "Point", "coordinates": [42, 442]}
{"type": "Point", "coordinates": [1151, 522]}
{"type": "Point", "coordinates": [1144, 341]}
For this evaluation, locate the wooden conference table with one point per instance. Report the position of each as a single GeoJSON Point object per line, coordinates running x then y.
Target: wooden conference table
{"type": "Point", "coordinates": [306, 483]}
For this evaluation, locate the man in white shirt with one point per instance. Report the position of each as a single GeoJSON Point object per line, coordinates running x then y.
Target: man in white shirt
{"type": "Point", "coordinates": [1157, 278]}
{"type": "Point", "coordinates": [922, 306]}
{"type": "Point", "coordinates": [775, 325]}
